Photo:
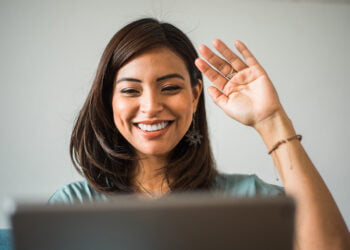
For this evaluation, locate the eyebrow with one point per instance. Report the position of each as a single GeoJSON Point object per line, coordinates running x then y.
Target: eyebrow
{"type": "Point", "coordinates": [159, 79]}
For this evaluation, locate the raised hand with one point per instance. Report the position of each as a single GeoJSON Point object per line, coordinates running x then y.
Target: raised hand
{"type": "Point", "coordinates": [242, 88]}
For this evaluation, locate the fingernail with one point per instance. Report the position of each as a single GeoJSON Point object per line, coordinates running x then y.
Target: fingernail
{"type": "Point", "coordinates": [216, 40]}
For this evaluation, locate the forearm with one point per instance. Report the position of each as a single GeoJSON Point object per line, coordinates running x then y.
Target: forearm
{"type": "Point", "coordinates": [319, 224]}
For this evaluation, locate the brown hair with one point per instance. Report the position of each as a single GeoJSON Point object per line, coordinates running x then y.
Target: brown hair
{"type": "Point", "coordinates": [98, 150]}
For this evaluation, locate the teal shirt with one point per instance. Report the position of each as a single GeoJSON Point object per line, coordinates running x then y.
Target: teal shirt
{"type": "Point", "coordinates": [236, 185]}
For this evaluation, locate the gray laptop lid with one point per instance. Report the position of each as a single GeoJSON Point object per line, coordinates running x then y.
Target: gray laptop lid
{"type": "Point", "coordinates": [175, 222]}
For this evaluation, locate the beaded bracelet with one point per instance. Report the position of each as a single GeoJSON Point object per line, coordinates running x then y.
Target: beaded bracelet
{"type": "Point", "coordinates": [294, 137]}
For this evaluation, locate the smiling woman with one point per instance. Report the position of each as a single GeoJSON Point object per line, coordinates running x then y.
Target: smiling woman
{"type": "Point", "coordinates": [143, 129]}
{"type": "Point", "coordinates": [130, 134]}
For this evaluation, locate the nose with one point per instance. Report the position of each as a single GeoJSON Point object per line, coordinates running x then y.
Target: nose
{"type": "Point", "coordinates": [151, 103]}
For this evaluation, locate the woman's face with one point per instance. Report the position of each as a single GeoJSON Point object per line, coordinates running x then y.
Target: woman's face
{"type": "Point", "coordinates": [153, 101]}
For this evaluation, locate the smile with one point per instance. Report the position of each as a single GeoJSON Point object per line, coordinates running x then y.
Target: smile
{"type": "Point", "coordinates": [153, 127]}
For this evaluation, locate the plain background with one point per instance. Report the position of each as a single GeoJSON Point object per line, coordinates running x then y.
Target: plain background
{"type": "Point", "coordinates": [50, 51]}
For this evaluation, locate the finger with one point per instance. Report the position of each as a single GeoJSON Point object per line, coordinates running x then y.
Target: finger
{"type": "Point", "coordinates": [220, 64]}
{"type": "Point", "coordinates": [229, 55]}
{"type": "Point", "coordinates": [245, 52]}
{"type": "Point", "coordinates": [216, 78]}
{"type": "Point", "coordinates": [217, 96]}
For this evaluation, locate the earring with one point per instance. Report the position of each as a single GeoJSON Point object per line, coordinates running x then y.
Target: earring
{"type": "Point", "coordinates": [193, 137]}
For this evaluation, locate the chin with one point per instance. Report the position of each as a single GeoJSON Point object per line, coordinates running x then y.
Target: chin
{"type": "Point", "coordinates": [161, 153]}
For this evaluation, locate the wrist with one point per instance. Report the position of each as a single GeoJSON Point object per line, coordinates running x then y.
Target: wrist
{"type": "Point", "coordinates": [275, 128]}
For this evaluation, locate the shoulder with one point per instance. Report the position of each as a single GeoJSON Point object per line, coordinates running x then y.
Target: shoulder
{"type": "Point", "coordinates": [76, 192]}
{"type": "Point", "coordinates": [5, 239]}
{"type": "Point", "coordinates": [245, 185]}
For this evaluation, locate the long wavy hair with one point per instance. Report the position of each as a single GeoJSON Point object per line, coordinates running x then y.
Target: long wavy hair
{"type": "Point", "coordinates": [98, 150]}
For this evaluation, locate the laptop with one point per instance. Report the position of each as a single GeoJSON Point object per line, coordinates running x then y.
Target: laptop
{"type": "Point", "coordinates": [192, 221]}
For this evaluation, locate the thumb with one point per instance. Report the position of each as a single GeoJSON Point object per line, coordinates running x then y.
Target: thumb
{"type": "Point", "coordinates": [217, 96]}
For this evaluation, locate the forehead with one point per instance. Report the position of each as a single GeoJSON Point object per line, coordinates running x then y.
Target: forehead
{"type": "Point", "coordinates": [162, 60]}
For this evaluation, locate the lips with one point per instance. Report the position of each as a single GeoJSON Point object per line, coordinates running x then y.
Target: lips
{"type": "Point", "coordinates": [153, 129]}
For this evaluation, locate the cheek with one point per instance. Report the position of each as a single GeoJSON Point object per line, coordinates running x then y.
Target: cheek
{"type": "Point", "coordinates": [122, 112]}
{"type": "Point", "coordinates": [184, 108]}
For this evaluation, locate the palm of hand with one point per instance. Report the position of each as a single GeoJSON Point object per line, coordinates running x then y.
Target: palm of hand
{"type": "Point", "coordinates": [252, 102]}
{"type": "Point", "coordinates": [249, 96]}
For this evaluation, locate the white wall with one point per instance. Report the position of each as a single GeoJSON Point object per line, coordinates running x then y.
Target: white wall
{"type": "Point", "coordinates": [50, 50]}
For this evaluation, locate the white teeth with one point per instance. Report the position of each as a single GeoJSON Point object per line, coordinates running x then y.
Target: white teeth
{"type": "Point", "coordinates": [152, 127]}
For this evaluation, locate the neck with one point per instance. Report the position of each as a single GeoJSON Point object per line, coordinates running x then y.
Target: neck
{"type": "Point", "coordinates": [149, 178]}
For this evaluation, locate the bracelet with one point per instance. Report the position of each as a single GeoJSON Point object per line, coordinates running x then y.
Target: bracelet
{"type": "Point", "coordinates": [294, 137]}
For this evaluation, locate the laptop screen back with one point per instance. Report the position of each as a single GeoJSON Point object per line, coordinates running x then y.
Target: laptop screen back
{"type": "Point", "coordinates": [175, 222]}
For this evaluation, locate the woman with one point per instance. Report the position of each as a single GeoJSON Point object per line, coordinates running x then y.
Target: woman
{"type": "Point", "coordinates": [143, 129]}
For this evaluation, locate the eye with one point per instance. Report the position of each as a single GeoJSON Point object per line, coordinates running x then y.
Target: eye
{"type": "Point", "coordinates": [171, 89]}
{"type": "Point", "coordinates": [129, 92]}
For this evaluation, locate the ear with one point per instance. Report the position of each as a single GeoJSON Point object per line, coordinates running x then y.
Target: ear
{"type": "Point", "coordinates": [196, 91]}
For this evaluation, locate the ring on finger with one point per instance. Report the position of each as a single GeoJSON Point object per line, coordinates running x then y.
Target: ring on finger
{"type": "Point", "coordinates": [231, 74]}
